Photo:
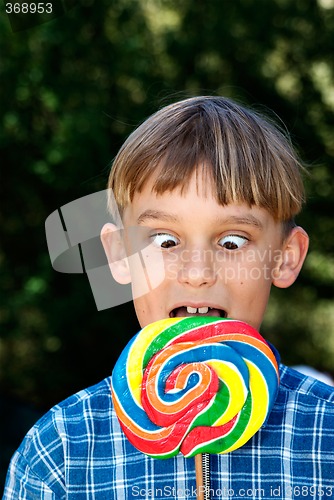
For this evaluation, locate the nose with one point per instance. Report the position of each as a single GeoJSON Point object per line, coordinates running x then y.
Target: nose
{"type": "Point", "coordinates": [196, 268]}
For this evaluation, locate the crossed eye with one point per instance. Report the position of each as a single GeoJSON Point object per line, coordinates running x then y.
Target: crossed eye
{"type": "Point", "coordinates": [233, 241]}
{"type": "Point", "coordinates": [229, 242]}
{"type": "Point", "coordinates": [164, 240]}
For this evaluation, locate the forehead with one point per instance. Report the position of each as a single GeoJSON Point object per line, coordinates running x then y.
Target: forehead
{"type": "Point", "coordinates": [198, 186]}
{"type": "Point", "coordinates": [197, 182]}
{"type": "Point", "coordinates": [193, 203]}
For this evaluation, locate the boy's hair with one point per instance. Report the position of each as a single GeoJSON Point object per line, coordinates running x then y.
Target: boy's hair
{"type": "Point", "coordinates": [247, 157]}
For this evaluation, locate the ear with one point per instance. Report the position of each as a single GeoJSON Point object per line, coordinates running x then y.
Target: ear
{"type": "Point", "coordinates": [112, 241]}
{"type": "Point", "coordinates": [291, 259]}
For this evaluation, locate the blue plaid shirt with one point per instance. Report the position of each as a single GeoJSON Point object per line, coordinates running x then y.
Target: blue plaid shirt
{"type": "Point", "coordinates": [77, 451]}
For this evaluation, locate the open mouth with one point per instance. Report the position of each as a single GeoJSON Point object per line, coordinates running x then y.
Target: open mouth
{"type": "Point", "coordinates": [186, 311]}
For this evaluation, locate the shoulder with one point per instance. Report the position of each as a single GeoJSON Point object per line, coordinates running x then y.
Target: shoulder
{"type": "Point", "coordinates": [71, 415]}
{"type": "Point", "coordinates": [74, 410]}
{"type": "Point", "coordinates": [305, 388]}
{"type": "Point", "coordinates": [62, 441]}
{"type": "Point", "coordinates": [72, 421]}
{"type": "Point", "coordinates": [92, 396]}
{"type": "Point", "coordinates": [303, 404]}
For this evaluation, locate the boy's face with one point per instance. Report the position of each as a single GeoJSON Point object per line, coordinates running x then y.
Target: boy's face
{"type": "Point", "coordinates": [207, 259]}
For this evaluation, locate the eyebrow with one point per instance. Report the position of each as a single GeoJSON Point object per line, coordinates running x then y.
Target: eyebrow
{"type": "Point", "coordinates": [160, 215]}
{"type": "Point", "coordinates": [248, 220]}
{"type": "Point", "coordinates": [156, 215]}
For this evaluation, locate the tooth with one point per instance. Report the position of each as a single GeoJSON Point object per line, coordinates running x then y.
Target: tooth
{"type": "Point", "coordinates": [203, 310]}
{"type": "Point", "coordinates": [191, 310]}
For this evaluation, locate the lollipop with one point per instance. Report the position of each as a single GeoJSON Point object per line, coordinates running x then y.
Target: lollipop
{"type": "Point", "coordinates": [194, 385]}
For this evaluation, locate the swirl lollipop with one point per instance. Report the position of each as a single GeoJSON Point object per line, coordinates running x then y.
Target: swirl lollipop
{"type": "Point", "coordinates": [194, 385]}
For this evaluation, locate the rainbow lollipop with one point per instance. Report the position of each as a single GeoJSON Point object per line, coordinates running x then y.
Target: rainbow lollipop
{"type": "Point", "coordinates": [194, 385]}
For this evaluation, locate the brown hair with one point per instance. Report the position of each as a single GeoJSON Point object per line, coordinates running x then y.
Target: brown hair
{"type": "Point", "coordinates": [248, 158]}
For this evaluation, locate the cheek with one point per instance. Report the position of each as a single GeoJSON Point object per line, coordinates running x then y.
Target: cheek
{"type": "Point", "coordinates": [247, 275]}
{"type": "Point", "coordinates": [139, 281]}
{"type": "Point", "coordinates": [261, 271]}
{"type": "Point", "coordinates": [142, 309]}
{"type": "Point", "coordinates": [149, 308]}
{"type": "Point", "coordinates": [147, 270]}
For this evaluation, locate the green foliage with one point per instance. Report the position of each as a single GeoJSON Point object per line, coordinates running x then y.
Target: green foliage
{"type": "Point", "coordinates": [73, 88]}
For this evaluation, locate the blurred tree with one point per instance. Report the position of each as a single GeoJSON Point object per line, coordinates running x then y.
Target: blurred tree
{"type": "Point", "coordinates": [73, 88]}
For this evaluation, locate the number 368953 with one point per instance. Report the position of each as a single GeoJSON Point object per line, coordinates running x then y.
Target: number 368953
{"type": "Point", "coordinates": [28, 8]}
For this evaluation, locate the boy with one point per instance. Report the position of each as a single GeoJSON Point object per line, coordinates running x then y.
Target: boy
{"type": "Point", "coordinates": [214, 189]}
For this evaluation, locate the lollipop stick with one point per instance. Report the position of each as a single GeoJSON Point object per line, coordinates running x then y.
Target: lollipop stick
{"type": "Point", "coordinates": [199, 477]}
{"type": "Point", "coordinates": [202, 476]}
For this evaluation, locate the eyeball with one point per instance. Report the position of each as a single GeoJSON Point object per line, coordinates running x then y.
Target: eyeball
{"type": "Point", "coordinates": [233, 241]}
{"type": "Point", "coordinates": [164, 240]}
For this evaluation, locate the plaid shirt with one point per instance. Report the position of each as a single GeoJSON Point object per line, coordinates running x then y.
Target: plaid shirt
{"type": "Point", "coordinates": [77, 451]}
